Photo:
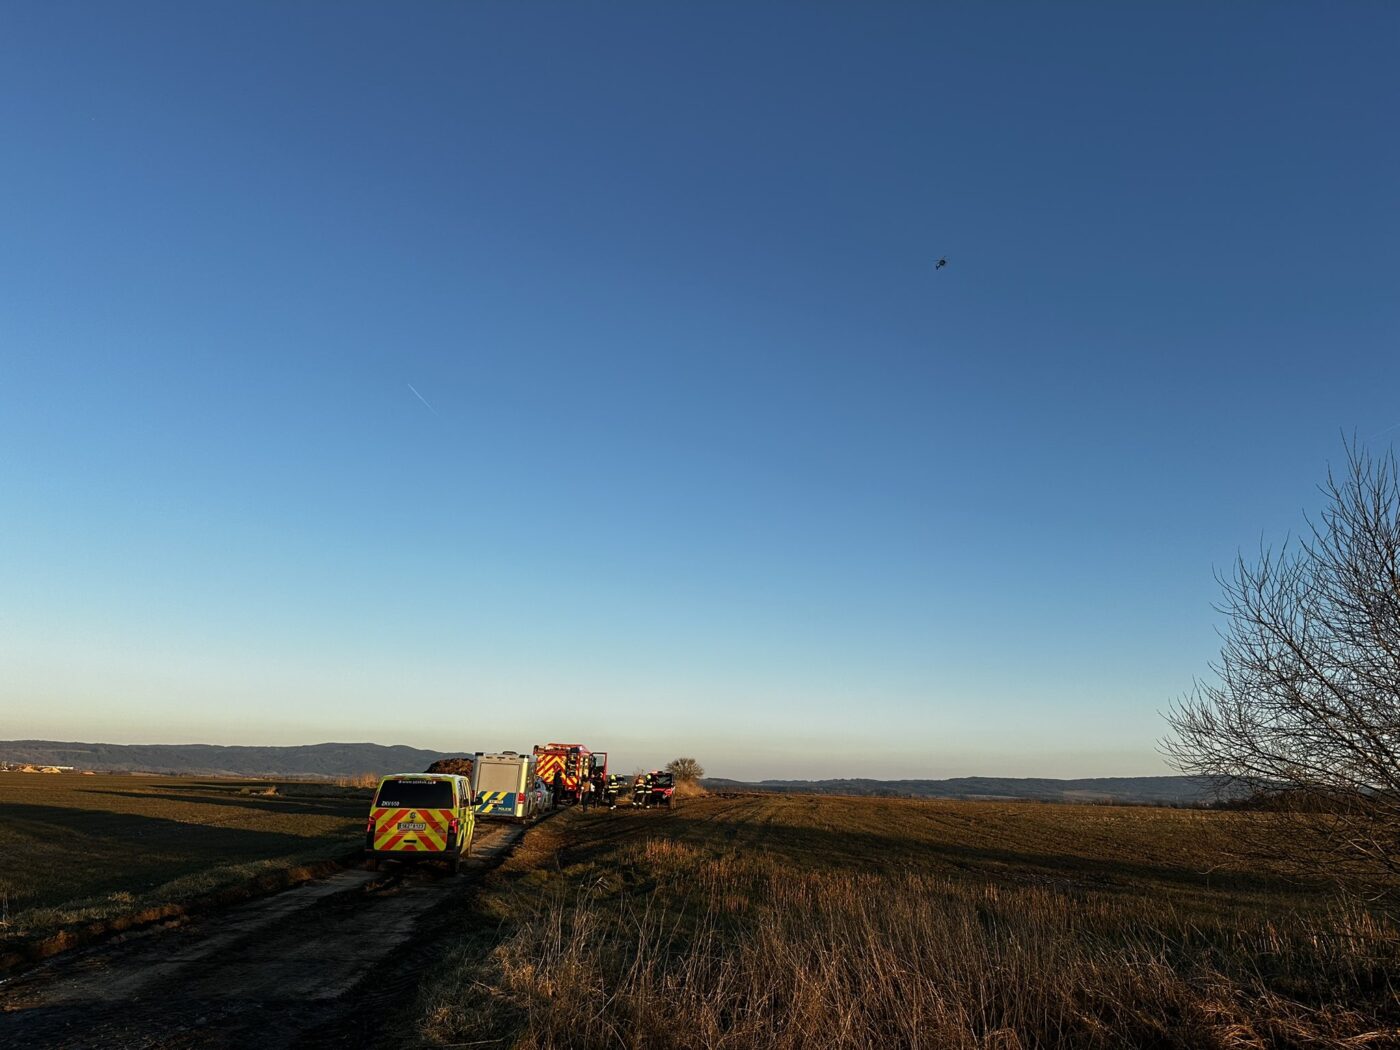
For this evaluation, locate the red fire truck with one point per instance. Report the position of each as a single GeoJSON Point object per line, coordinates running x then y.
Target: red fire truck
{"type": "Point", "coordinates": [574, 763]}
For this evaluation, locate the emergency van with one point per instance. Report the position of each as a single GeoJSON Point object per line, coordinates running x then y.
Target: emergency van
{"type": "Point", "coordinates": [421, 816]}
{"type": "Point", "coordinates": [505, 787]}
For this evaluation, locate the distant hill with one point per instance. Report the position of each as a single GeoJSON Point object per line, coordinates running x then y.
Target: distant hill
{"type": "Point", "coordinates": [1160, 790]}
{"type": "Point", "coordinates": [331, 760]}
{"type": "Point", "coordinates": [321, 760]}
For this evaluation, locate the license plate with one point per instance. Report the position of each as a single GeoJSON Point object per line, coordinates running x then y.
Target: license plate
{"type": "Point", "coordinates": [413, 825]}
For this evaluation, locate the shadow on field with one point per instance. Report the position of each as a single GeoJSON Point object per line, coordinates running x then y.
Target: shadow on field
{"type": "Point", "coordinates": [268, 803]}
{"type": "Point", "coordinates": [129, 852]}
{"type": "Point", "coordinates": [817, 847]}
{"type": "Point", "coordinates": [319, 789]}
{"type": "Point", "coordinates": [88, 827]}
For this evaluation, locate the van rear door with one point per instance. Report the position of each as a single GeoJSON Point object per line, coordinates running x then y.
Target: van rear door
{"type": "Point", "coordinates": [500, 785]}
{"type": "Point", "coordinates": [413, 816]}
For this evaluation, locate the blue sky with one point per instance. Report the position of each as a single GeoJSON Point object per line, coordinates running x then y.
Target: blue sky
{"type": "Point", "coordinates": [716, 463]}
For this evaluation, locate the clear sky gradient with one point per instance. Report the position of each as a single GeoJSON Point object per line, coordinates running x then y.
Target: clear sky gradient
{"type": "Point", "coordinates": [705, 457]}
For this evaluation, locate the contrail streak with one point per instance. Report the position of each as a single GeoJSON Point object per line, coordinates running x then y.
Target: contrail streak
{"type": "Point", "coordinates": [421, 398]}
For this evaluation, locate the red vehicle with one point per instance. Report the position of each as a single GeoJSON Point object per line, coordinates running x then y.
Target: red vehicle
{"type": "Point", "coordinates": [656, 788]}
{"type": "Point", "coordinates": [574, 764]}
{"type": "Point", "coordinates": [663, 788]}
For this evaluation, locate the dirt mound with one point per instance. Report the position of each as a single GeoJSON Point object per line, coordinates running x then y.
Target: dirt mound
{"type": "Point", "coordinates": [460, 766]}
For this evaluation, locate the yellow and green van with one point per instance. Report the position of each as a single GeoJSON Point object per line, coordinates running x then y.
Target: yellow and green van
{"type": "Point", "coordinates": [421, 816]}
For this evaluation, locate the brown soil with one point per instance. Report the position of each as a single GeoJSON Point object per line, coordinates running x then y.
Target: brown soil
{"type": "Point", "coordinates": [21, 953]}
{"type": "Point", "coordinates": [319, 965]}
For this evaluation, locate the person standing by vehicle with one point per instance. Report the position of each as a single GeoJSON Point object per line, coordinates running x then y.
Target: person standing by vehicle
{"type": "Point", "coordinates": [558, 789]}
{"type": "Point", "coordinates": [618, 785]}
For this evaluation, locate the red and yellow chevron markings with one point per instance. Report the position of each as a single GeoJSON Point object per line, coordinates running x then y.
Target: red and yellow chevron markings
{"type": "Point", "coordinates": [546, 765]}
{"type": "Point", "coordinates": [411, 830]}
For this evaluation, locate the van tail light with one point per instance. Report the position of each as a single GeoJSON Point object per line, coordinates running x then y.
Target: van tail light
{"type": "Point", "coordinates": [369, 826]}
{"type": "Point", "coordinates": [452, 827]}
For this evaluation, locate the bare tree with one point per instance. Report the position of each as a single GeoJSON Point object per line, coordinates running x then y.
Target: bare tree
{"type": "Point", "coordinates": [1305, 713]}
{"type": "Point", "coordinates": [685, 769]}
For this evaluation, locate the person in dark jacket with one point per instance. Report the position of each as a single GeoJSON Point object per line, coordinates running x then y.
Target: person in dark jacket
{"type": "Point", "coordinates": [558, 788]}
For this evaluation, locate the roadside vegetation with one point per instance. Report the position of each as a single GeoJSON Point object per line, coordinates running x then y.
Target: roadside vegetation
{"type": "Point", "coordinates": [91, 850]}
{"type": "Point", "coordinates": [797, 921]}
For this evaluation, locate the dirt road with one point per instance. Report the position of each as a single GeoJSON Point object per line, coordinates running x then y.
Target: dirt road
{"type": "Point", "coordinates": [319, 965]}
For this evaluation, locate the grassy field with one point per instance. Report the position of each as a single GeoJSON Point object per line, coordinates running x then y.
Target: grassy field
{"type": "Point", "coordinates": [798, 921]}
{"type": "Point", "coordinates": [85, 849]}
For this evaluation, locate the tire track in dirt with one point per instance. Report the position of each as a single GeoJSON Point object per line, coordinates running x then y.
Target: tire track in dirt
{"type": "Point", "coordinates": [269, 973]}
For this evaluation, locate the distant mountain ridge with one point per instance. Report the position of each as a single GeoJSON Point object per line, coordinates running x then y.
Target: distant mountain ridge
{"type": "Point", "coordinates": [320, 760]}
{"type": "Point", "coordinates": [1160, 790]}
{"type": "Point", "coordinates": [338, 759]}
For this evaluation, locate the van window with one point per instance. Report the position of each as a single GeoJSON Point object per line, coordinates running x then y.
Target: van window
{"type": "Point", "coordinates": [415, 794]}
{"type": "Point", "coordinates": [498, 776]}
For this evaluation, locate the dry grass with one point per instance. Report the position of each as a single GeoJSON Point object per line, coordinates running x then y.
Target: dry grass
{"type": "Point", "coordinates": [791, 923]}
{"type": "Point", "coordinates": [85, 850]}
{"type": "Point", "coordinates": [690, 789]}
{"type": "Point", "coordinates": [358, 780]}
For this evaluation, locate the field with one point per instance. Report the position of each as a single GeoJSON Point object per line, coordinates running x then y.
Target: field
{"type": "Point", "coordinates": [792, 921]}
{"type": "Point", "coordinates": [737, 921]}
{"type": "Point", "coordinates": [84, 850]}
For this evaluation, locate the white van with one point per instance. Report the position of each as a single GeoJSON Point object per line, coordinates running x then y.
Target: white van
{"type": "Point", "coordinates": [505, 787]}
